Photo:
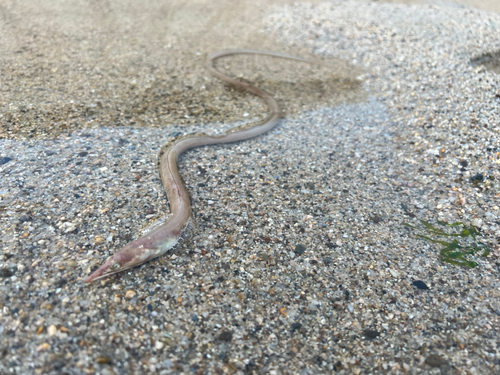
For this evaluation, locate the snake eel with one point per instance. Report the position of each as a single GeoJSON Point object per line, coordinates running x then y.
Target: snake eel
{"type": "Point", "coordinates": [177, 227]}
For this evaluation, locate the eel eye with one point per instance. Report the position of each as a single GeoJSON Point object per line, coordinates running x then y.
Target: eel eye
{"type": "Point", "coordinates": [115, 265]}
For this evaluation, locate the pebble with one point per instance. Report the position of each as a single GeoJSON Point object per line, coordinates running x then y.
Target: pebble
{"type": "Point", "coordinates": [226, 336]}
{"type": "Point", "coordinates": [99, 240]}
{"type": "Point", "coordinates": [6, 272]}
{"type": "Point", "coordinates": [130, 294]}
{"type": "Point", "coordinates": [159, 345]}
{"type": "Point", "coordinates": [371, 333]}
{"type": "Point", "coordinates": [420, 284]}
{"type": "Point", "coordinates": [52, 330]}
{"type": "Point", "coordinates": [299, 249]}
{"type": "Point", "coordinates": [103, 360]}
{"type": "Point", "coordinates": [435, 360]}
{"type": "Point", "coordinates": [4, 160]}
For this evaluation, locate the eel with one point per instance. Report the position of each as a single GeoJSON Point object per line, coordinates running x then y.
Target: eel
{"type": "Point", "coordinates": [179, 225]}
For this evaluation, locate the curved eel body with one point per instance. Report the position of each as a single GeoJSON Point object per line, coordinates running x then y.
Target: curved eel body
{"type": "Point", "coordinates": [166, 236]}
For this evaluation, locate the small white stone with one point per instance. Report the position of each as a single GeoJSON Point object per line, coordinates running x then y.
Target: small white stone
{"type": "Point", "coordinates": [394, 273]}
{"type": "Point", "coordinates": [52, 330]}
{"type": "Point", "coordinates": [477, 222]}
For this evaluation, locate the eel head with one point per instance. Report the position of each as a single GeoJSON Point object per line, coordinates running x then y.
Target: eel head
{"type": "Point", "coordinates": [132, 255]}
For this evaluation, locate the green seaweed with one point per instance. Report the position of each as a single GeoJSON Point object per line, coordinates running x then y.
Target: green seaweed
{"type": "Point", "coordinates": [455, 252]}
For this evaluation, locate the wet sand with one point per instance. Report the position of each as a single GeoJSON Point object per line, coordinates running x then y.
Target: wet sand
{"type": "Point", "coordinates": [488, 5]}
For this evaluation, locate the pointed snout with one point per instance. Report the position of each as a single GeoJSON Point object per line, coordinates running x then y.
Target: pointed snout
{"type": "Point", "coordinates": [99, 273]}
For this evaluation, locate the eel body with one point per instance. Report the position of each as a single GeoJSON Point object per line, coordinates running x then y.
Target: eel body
{"type": "Point", "coordinates": [166, 236]}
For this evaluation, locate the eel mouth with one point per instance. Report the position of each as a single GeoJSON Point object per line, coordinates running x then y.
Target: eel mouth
{"type": "Point", "coordinates": [100, 273]}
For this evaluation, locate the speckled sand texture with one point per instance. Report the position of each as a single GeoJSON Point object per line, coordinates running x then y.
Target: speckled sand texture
{"type": "Point", "coordinates": [300, 262]}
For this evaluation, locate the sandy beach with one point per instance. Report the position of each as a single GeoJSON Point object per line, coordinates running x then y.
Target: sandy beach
{"type": "Point", "coordinates": [301, 261]}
